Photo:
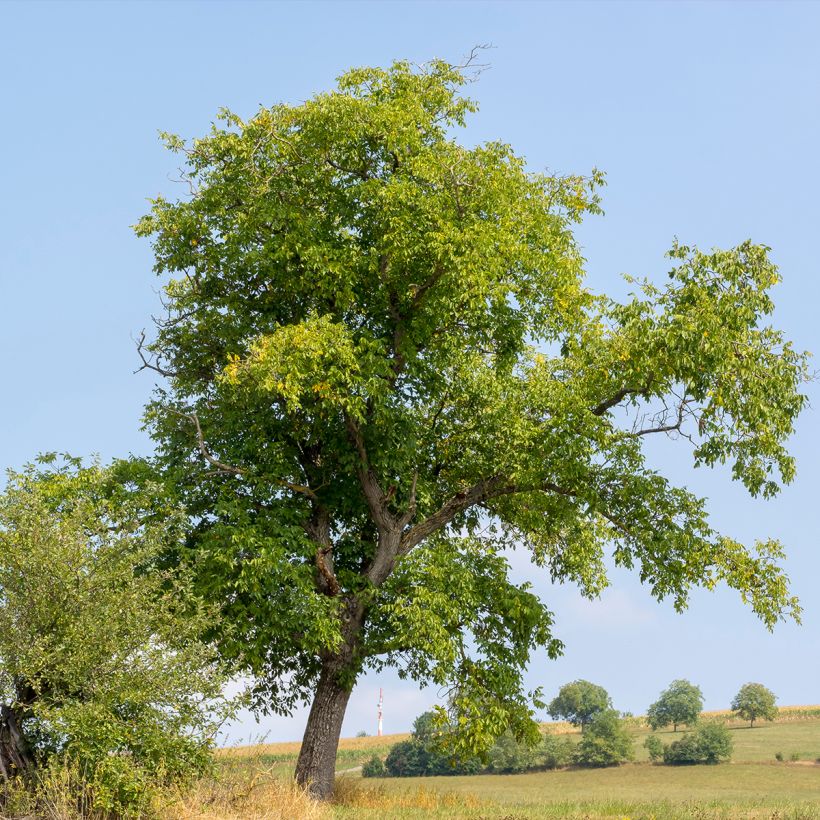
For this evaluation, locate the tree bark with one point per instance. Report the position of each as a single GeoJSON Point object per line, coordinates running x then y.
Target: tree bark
{"type": "Point", "coordinates": [316, 766]}
{"type": "Point", "coordinates": [15, 758]}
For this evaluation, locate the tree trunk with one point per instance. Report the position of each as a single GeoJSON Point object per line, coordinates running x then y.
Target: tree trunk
{"type": "Point", "coordinates": [15, 758]}
{"type": "Point", "coordinates": [316, 766]}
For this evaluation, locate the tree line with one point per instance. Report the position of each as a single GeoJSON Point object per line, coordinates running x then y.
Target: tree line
{"type": "Point", "coordinates": [605, 738]}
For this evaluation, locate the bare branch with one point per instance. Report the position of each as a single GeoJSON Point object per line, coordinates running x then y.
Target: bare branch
{"type": "Point", "coordinates": [147, 363]}
{"type": "Point", "coordinates": [661, 423]}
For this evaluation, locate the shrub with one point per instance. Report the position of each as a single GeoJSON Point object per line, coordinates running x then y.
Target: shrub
{"type": "Point", "coordinates": [710, 743]}
{"type": "Point", "coordinates": [424, 754]}
{"type": "Point", "coordinates": [654, 747]}
{"type": "Point", "coordinates": [509, 755]}
{"type": "Point", "coordinates": [374, 767]}
{"type": "Point", "coordinates": [605, 741]}
{"type": "Point", "coordinates": [778, 756]}
{"type": "Point", "coordinates": [103, 674]}
{"type": "Point", "coordinates": [407, 758]}
{"type": "Point", "coordinates": [555, 751]}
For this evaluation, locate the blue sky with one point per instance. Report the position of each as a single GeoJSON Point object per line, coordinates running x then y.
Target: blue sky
{"type": "Point", "coordinates": [705, 116]}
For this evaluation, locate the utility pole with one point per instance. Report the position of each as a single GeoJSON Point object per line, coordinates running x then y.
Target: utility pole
{"type": "Point", "coordinates": [379, 712]}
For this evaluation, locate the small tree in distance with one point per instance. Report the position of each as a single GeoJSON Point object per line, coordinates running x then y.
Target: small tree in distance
{"type": "Point", "coordinates": [578, 702]}
{"type": "Point", "coordinates": [680, 702]}
{"type": "Point", "coordinates": [755, 701]}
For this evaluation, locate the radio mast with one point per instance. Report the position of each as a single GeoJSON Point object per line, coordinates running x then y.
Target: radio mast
{"type": "Point", "coordinates": [379, 712]}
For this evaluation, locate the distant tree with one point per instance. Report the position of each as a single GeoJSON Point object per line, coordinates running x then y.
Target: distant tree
{"type": "Point", "coordinates": [754, 701]}
{"type": "Point", "coordinates": [680, 702]}
{"type": "Point", "coordinates": [654, 747]}
{"type": "Point", "coordinates": [606, 741]}
{"type": "Point", "coordinates": [578, 702]}
{"type": "Point", "coordinates": [710, 743]}
{"type": "Point", "coordinates": [427, 727]}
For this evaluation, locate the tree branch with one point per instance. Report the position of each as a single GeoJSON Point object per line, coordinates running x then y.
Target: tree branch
{"type": "Point", "coordinates": [147, 364]}
{"type": "Point", "coordinates": [222, 467]}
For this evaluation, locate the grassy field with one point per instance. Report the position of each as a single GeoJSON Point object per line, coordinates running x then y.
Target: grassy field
{"type": "Point", "coordinates": [754, 785]}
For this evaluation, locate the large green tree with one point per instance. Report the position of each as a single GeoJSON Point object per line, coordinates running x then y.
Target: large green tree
{"type": "Point", "coordinates": [383, 369]}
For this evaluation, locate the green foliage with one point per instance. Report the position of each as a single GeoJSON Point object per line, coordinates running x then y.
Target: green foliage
{"type": "Point", "coordinates": [755, 702]}
{"type": "Point", "coordinates": [579, 701]}
{"type": "Point", "coordinates": [383, 369]}
{"type": "Point", "coordinates": [555, 751]}
{"type": "Point", "coordinates": [654, 747]}
{"type": "Point", "coordinates": [374, 767]}
{"type": "Point", "coordinates": [680, 702]}
{"type": "Point", "coordinates": [426, 752]}
{"type": "Point", "coordinates": [508, 755]}
{"type": "Point", "coordinates": [99, 655]}
{"type": "Point", "coordinates": [709, 743]}
{"type": "Point", "coordinates": [605, 742]}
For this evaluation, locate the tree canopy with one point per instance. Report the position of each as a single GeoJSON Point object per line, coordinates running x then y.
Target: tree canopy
{"type": "Point", "coordinates": [383, 368]}
{"type": "Point", "coordinates": [680, 702]}
{"type": "Point", "coordinates": [754, 702]}
{"type": "Point", "coordinates": [579, 701]}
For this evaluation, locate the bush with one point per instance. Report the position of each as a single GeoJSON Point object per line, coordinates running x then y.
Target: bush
{"type": "Point", "coordinates": [778, 756]}
{"type": "Point", "coordinates": [103, 675]}
{"type": "Point", "coordinates": [605, 741]}
{"type": "Point", "coordinates": [509, 755]}
{"type": "Point", "coordinates": [710, 743]}
{"type": "Point", "coordinates": [406, 759]}
{"type": "Point", "coordinates": [374, 768]}
{"type": "Point", "coordinates": [654, 747]}
{"type": "Point", "coordinates": [411, 758]}
{"type": "Point", "coordinates": [555, 751]}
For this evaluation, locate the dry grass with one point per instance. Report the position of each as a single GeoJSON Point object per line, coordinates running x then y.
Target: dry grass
{"type": "Point", "coordinates": [254, 792]}
{"type": "Point", "coordinates": [250, 791]}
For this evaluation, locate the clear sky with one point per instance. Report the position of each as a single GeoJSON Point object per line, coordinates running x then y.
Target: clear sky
{"type": "Point", "coordinates": [706, 117]}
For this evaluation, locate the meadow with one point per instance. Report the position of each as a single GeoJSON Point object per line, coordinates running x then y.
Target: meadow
{"type": "Point", "coordinates": [253, 783]}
